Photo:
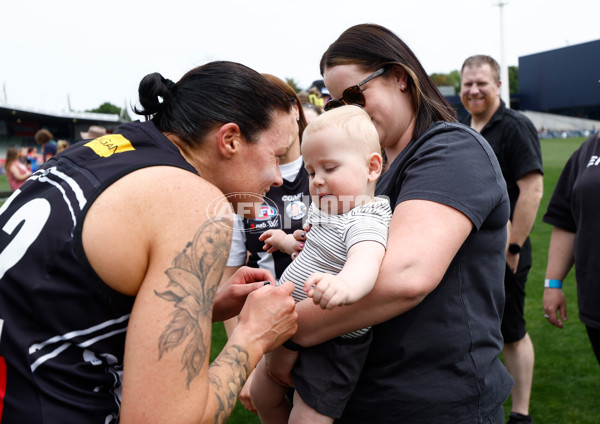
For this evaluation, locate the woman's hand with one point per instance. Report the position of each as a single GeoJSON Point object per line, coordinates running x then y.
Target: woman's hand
{"type": "Point", "coordinates": [555, 306]}
{"type": "Point", "coordinates": [232, 294]}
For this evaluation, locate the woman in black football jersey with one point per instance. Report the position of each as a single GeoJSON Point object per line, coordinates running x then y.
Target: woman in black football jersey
{"type": "Point", "coordinates": [111, 256]}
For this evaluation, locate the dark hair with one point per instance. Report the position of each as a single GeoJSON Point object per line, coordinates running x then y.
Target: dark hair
{"type": "Point", "coordinates": [289, 91]}
{"type": "Point", "coordinates": [372, 47]}
{"type": "Point", "coordinates": [43, 136]}
{"type": "Point", "coordinates": [11, 155]}
{"type": "Point", "coordinates": [480, 60]}
{"type": "Point", "coordinates": [209, 95]}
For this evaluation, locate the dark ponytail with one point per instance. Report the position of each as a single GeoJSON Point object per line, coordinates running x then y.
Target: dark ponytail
{"type": "Point", "coordinates": [153, 90]}
{"type": "Point", "coordinates": [210, 95]}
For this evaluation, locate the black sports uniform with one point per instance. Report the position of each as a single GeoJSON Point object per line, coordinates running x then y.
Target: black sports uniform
{"type": "Point", "coordinates": [62, 330]}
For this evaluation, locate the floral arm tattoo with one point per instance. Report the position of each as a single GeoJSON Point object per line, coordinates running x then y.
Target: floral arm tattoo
{"type": "Point", "coordinates": [193, 282]}
{"type": "Point", "coordinates": [237, 359]}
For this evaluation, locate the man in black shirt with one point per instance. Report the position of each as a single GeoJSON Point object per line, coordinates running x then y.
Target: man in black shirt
{"type": "Point", "coordinates": [514, 140]}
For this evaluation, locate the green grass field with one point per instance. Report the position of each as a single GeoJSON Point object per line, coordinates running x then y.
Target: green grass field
{"type": "Point", "coordinates": [566, 382]}
{"type": "Point", "coordinates": [4, 183]}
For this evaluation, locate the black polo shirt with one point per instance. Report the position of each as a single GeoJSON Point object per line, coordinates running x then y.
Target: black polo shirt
{"type": "Point", "coordinates": [515, 142]}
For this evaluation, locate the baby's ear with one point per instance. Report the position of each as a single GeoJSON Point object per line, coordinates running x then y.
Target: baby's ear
{"type": "Point", "coordinates": [375, 166]}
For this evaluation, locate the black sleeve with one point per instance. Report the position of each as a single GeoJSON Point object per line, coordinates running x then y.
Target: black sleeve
{"type": "Point", "coordinates": [559, 212]}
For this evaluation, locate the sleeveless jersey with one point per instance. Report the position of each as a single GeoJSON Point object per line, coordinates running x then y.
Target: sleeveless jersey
{"type": "Point", "coordinates": [285, 209]}
{"type": "Point", "coordinates": [62, 330]}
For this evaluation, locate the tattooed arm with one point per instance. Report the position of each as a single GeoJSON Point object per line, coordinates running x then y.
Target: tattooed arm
{"type": "Point", "coordinates": [172, 263]}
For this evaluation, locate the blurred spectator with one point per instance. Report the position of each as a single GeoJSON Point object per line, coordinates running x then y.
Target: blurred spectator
{"type": "Point", "coordinates": [32, 157]}
{"type": "Point", "coordinates": [62, 145]}
{"type": "Point", "coordinates": [318, 94]}
{"type": "Point", "coordinates": [45, 139]}
{"type": "Point", "coordinates": [94, 131]}
{"type": "Point", "coordinates": [16, 171]}
{"type": "Point", "coordinates": [310, 111]}
{"type": "Point", "coordinates": [303, 97]}
{"type": "Point", "coordinates": [22, 156]}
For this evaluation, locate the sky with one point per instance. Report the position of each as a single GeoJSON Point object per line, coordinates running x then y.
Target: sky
{"type": "Point", "coordinates": [64, 54]}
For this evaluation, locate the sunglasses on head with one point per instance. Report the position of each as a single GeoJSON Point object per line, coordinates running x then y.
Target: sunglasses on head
{"type": "Point", "coordinates": [353, 95]}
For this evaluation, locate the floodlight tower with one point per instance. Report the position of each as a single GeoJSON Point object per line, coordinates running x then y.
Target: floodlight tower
{"type": "Point", "coordinates": [504, 88]}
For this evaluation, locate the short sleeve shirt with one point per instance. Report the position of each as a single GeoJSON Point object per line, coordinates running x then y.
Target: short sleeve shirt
{"type": "Point", "coordinates": [575, 207]}
{"type": "Point", "coordinates": [439, 361]}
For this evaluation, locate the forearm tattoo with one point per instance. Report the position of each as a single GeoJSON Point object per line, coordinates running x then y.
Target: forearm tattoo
{"type": "Point", "coordinates": [193, 282]}
{"type": "Point", "coordinates": [236, 359]}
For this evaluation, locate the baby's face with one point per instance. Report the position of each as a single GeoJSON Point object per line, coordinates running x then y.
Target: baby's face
{"type": "Point", "coordinates": [338, 172]}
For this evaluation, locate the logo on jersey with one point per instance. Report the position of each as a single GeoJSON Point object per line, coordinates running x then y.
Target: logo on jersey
{"type": "Point", "coordinates": [594, 161]}
{"type": "Point", "coordinates": [266, 212]}
{"type": "Point", "coordinates": [256, 226]}
{"type": "Point", "coordinates": [267, 218]}
{"type": "Point", "coordinates": [108, 145]}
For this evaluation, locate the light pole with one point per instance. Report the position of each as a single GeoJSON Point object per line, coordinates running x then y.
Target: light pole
{"type": "Point", "coordinates": [504, 87]}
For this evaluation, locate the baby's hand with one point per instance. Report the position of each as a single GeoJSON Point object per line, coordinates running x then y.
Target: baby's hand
{"type": "Point", "coordinates": [328, 291]}
{"type": "Point", "coordinates": [273, 240]}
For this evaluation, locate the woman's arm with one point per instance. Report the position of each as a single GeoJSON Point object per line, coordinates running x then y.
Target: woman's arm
{"type": "Point", "coordinates": [560, 262]}
{"type": "Point", "coordinates": [164, 250]}
{"type": "Point", "coordinates": [231, 322]}
{"type": "Point", "coordinates": [423, 239]}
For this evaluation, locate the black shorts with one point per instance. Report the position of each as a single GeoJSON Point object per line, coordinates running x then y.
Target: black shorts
{"type": "Point", "coordinates": [513, 320]}
{"type": "Point", "coordinates": [325, 375]}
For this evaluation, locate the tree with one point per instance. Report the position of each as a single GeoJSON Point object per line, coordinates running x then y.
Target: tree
{"type": "Point", "coordinates": [109, 108]}
{"type": "Point", "coordinates": [452, 79]}
{"type": "Point", "coordinates": [292, 83]}
{"type": "Point", "coordinates": [513, 79]}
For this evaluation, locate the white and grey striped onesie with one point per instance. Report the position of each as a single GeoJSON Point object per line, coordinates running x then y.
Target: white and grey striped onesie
{"type": "Point", "coordinates": [330, 238]}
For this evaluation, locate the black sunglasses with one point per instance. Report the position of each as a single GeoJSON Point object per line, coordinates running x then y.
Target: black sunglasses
{"type": "Point", "coordinates": [353, 95]}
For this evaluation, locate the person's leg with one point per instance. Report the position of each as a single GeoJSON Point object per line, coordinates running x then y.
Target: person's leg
{"type": "Point", "coordinates": [519, 359]}
{"type": "Point", "coordinates": [302, 413]}
{"type": "Point", "coordinates": [518, 350]}
{"type": "Point", "coordinates": [268, 397]}
{"type": "Point", "coordinates": [594, 336]}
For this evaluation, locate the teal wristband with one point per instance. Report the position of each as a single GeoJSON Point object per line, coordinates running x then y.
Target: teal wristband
{"type": "Point", "coordinates": [553, 284]}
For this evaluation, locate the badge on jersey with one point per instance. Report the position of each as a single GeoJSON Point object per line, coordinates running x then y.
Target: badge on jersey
{"type": "Point", "coordinates": [109, 145]}
{"type": "Point", "coordinates": [296, 210]}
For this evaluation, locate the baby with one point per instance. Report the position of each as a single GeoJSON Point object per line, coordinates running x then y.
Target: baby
{"type": "Point", "coordinates": [337, 266]}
